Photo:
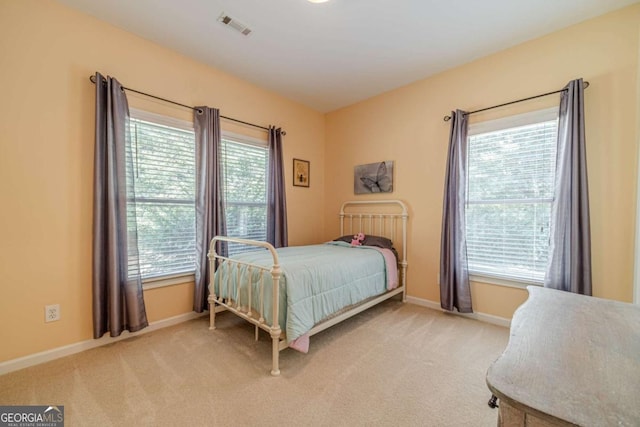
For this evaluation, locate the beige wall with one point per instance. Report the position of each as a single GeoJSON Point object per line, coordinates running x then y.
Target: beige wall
{"type": "Point", "coordinates": [47, 54]}
{"type": "Point", "coordinates": [405, 125]}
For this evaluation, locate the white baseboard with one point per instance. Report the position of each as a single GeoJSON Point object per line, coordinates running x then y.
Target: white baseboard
{"type": "Point", "coordinates": [483, 317]}
{"type": "Point", "coordinates": [56, 353]}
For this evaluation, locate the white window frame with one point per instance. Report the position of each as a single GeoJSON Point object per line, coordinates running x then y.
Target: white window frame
{"type": "Point", "coordinates": [513, 121]}
{"type": "Point", "coordinates": [169, 279]}
{"type": "Point", "coordinates": [244, 139]}
{"type": "Point", "coordinates": [176, 279]}
{"type": "Point", "coordinates": [173, 122]}
{"type": "Point", "coordinates": [253, 141]}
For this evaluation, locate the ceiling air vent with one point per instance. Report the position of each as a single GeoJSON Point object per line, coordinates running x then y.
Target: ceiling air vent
{"type": "Point", "coordinates": [234, 23]}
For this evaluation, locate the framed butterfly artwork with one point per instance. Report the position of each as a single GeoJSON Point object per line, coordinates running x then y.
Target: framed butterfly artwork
{"type": "Point", "coordinates": [301, 173]}
{"type": "Point", "coordinates": [373, 178]}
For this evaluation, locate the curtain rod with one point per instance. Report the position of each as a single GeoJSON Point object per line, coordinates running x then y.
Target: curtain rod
{"type": "Point", "coordinates": [93, 80]}
{"type": "Point", "coordinates": [447, 118]}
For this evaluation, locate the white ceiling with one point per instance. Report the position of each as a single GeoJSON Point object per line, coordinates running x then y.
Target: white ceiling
{"type": "Point", "coordinates": [334, 54]}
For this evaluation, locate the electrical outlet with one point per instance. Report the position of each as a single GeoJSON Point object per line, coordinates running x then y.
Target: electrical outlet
{"type": "Point", "coordinates": [51, 312]}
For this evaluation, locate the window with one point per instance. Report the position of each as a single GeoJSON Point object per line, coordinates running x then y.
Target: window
{"type": "Point", "coordinates": [511, 172]}
{"type": "Point", "coordinates": [245, 163]}
{"type": "Point", "coordinates": [163, 169]}
{"type": "Point", "coordinates": [163, 162]}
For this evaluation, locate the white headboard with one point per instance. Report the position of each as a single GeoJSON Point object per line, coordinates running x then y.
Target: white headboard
{"type": "Point", "coordinates": [386, 218]}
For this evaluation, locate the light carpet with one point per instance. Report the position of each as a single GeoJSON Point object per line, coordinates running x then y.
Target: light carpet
{"type": "Point", "coordinates": [393, 365]}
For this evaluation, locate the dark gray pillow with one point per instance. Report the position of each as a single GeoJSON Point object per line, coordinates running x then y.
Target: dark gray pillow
{"type": "Point", "coordinates": [379, 241]}
{"type": "Point", "coordinates": [344, 239]}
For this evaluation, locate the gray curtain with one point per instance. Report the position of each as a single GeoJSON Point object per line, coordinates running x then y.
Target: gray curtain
{"type": "Point", "coordinates": [118, 303]}
{"type": "Point", "coordinates": [454, 276]}
{"type": "Point", "coordinates": [569, 266]}
{"type": "Point", "coordinates": [276, 196]}
{"type": "Point", "coordinates": [210, 214]}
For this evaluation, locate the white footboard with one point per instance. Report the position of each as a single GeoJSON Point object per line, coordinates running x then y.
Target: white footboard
{"type": "Point", "coordinates": [387, 218]}
{"type": "Point", "coordinates": [243, 307]}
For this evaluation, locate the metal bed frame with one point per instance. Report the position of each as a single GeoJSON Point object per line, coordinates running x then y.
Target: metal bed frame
{"type": "Point", "coordinates": [377, 217]}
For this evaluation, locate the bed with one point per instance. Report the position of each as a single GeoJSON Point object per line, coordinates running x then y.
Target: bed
{"type": "Point", "coordinates": [295, 292]}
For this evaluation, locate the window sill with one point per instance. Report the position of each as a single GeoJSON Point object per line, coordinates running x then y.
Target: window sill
{"type": "Point", "coordinates": [501, 281]}
{"type": "Point", "coordinates": [164, 281]}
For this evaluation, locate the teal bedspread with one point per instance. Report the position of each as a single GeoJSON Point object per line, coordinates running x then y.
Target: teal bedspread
{"type": "Point", "coordinates": [317, 281]}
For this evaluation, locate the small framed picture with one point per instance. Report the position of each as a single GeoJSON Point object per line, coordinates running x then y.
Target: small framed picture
{"type": "Point", "coordinates": [300, 173]}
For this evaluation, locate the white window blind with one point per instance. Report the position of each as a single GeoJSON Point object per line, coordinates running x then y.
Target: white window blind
{"type": "Point", "coordinates": [511, 172]}
{"type": "Point", "coordinates": [163, 167]}
{"type": "Point", "coordinates": [245, 165]}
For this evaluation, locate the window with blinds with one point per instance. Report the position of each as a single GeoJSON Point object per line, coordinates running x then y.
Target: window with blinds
{"type": "Point", "coordinates": [162, 164]}
{"type": "Point", "coordinates": [510, 189]}
{"type": "Point", "coordinates": [245, 164]}
{"type": "Point", "coordinates": [163, 168]}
